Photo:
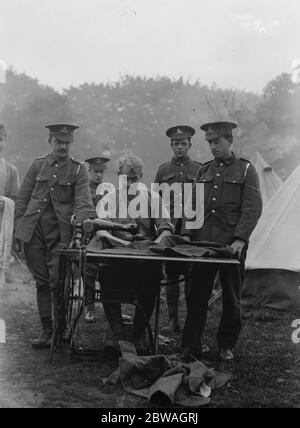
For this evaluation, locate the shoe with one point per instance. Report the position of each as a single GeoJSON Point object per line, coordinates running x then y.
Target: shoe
{"type": "Point", "coordinates": [43, 342]}
{"type": "Point", "coordinates": [111, 345]}
{"type": "Point", "coordinates": [226, 354]}
{"type": "Point", "coordinates": [172, 327]}
{"type": "Point", "coordinates": [187, 355]}
{"type": "Point", "coordinates": [90, 316]}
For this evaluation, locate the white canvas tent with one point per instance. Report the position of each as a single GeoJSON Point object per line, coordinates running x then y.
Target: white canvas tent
{"type": "Point", "coordinates": [273, 261]}
{"type": "Point", "coordinates": [269, 181]}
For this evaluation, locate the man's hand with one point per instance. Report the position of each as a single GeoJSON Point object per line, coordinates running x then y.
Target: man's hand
{"type": "Point", "coordinates": [187, 237]}
{"type": "Point", "coordinates": [162, 235]}
{"type": "Point", "coordinates": [17, 245]}
{"type": "Point", "coordinates": [238, 246]}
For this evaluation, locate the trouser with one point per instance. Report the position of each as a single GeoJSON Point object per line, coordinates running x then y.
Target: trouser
{"type": "Point", "coordinates": [91, 274]}
{"type": "Point", "coordinates": [173, 291]}
{"type": "Point", "coordinates": [202, 282]}
{"type": "Point", "coordinates": [42, 263]}
{"type": "Point", "coordinates": [131, 281]}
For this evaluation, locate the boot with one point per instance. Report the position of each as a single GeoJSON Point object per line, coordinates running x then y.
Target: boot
{"type": "Point", "coordinates": [172, 327]}
{"type": "Point", "coordinates": [44, 341]}
{"type": "Point", "coordinates": [111, 346]}
{"type": "Point", "coordinates": [115, 321]}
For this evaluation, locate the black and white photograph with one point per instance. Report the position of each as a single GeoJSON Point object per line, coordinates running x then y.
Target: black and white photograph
{"type": "Point", "coordinates": [149, 207]}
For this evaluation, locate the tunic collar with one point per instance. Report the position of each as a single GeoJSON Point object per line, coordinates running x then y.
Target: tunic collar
{"type": "Point", "coordinates": [178, 161]}
{"type": "Point", "coordinates": [52, 161]}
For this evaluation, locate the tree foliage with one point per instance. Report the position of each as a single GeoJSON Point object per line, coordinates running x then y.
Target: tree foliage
{"type": "Point", "coordinates": [132, 115]}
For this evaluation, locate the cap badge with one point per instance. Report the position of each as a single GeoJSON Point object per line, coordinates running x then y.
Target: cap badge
{"type": "Point", "coordinates": [64, 130]}
{"type": "Point", "coordinates": [179, 131]}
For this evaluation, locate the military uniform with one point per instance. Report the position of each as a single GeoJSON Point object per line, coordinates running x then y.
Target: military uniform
{"type": "Point", "coordinates": [52, 191]}
{"type": "Point", "coordinates": [232, 207]}
{"type": "Point", "coordinates": [178, 170]}
{"type": "Point", "coordinates": [97, 163]}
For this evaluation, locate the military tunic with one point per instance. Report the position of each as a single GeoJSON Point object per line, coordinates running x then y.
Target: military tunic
{"type": "Point", "coordinates": [51, 193]}
{"type": "Point", "coordinates": [232, 207]}
{"type": "Point", "coordinates": [177, 171]}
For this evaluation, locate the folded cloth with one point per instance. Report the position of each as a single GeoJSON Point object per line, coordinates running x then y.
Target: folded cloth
{"type": "Point", "coordinates": [170, 246]}
{"type": "Point", "coordinates": [164, 380]}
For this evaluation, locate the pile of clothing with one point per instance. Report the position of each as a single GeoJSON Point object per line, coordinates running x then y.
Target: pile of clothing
{"type": "Point", "coordinates": [164, 380]}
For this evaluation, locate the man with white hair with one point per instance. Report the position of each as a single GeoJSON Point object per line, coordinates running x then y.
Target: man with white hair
{"type": "Point", "coordinates": [138, 277]}
{"type": "Point", "coordinates": [9, 186]}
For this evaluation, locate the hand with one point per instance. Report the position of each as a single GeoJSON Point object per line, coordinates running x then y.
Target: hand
{"type": "Point", "coordinates": [162, 236]}
{"type": "Point", "coordinates": [187, 238]}
{"type": "Point", "coordinates": [17, 245]}
{"type": "Point", "coordinates": [238, 246]}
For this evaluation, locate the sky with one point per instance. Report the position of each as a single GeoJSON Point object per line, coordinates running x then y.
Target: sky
{"type": "Point", "coordinates": [234, 43]}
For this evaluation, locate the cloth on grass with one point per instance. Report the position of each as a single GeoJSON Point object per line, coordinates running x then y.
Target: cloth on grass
{"type": "Point", "coordinates": [164, 380]}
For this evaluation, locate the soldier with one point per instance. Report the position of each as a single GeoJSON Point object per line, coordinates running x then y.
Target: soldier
{"type": "Point", "coordinates": [232, 207]}
{"type": "Point", "coordinates": [142, 277]}
{"type": "Point", "coordinates": [9, 186]}
{"type": "Point", "coordinates": [97, 167]}
{"type": "Point", "coordinates": [55, 188]}
{"type": "Point", "coordinates": [181, 169]}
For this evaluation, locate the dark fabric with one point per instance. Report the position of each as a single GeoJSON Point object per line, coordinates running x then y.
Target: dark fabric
{"type": "Point", "coordinates": [232, 201]}
{"type": "Point", "coordinates": [65, 184]}
{"type": "Point", "coordinates": [42, 263]}
{"type": "Point", "coordinates": [165, 381]}
{"type": "Point", "coordinates": [171, 246]}
{"type": "Point", "coordinates": [202, 282]}
{"type": "Point", "coordinates": [136, 281]}
{"type": "Point", "coordinates": [177, 171]}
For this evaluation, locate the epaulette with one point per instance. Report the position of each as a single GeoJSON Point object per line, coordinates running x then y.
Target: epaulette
{"type": "Point", "coordinates": [245, 160]}
{"type": "Point", "coordinates": [166, 163]}
{"type": "Point", "coordinates": [77, 161]}
{"type": "Point", "coordinates": [207, 163]}
{"type": "Point", "coordinates": [42, 157]}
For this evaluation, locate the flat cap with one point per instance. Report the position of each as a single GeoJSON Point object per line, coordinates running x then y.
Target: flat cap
{"type": "Point", "coordinates": [62, 131]}
{"type": "Point", "coordinates": [98, 161]}
{"type": "Point", "coordinates": [218, 129]}
{"type": "Point", "coordinates": [180, 132]}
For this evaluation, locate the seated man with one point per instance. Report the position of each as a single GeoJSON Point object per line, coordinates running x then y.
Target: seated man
{"type": "Point", "coordinates": [138, 277]}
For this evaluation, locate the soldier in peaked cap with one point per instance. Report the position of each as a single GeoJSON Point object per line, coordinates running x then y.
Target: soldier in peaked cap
{"type": "Point", "coordinates": [97, 166]}
{"type": "Point", "coordinates": [181, 169]}
{"type": "Point", "coordinates": [55, 187]}
{"type": "Point", "coordinates": [232, 207]}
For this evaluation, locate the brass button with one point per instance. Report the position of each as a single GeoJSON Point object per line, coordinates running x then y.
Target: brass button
{"type": "Point", "coordinates": [54, 176]}
{"type": "Point", "coordinates": [216, 187]}
{"type": "Point", "coordinates": [213, 211]}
